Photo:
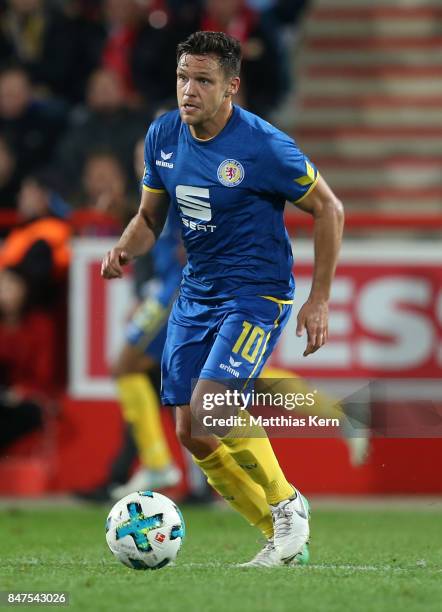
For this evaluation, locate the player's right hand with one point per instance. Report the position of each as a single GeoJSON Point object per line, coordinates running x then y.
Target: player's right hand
{"type": "Point", "coordinates": [113, 262]}
{"type": "Point", "coordinates": [313, 318]}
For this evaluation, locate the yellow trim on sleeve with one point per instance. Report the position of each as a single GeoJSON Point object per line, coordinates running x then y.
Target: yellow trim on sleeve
{"type": "Point", "coordinates": [152, 190]}
{"type": "Point", "coordinates": [312, 186]}
{"type": "Point", "coordinates": [276, 300]}
{"type": "Point", "coordinates": [308, 178]}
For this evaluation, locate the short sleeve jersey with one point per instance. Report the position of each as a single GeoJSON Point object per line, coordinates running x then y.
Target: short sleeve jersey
{"type": "Point", "coordinates": [230, 192]}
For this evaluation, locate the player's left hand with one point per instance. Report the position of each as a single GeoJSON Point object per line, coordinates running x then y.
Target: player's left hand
{"type": "Point", "coordinates": [313, 317]}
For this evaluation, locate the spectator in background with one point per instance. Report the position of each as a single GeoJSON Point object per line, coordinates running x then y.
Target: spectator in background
{"type": "Point", "coordinates": [185, 14]}
{"type": "Point", "coordinates": [9, 179]}
{"type": "Point", "coordinates": [57, 45]}
{"type": "Point", "coordinates": [27, 29]}
{"type": "Point", "coordinates": [123, 19]}
{"type": "Point", "coordinates": [32, 127]}
{"type": "Point", "coordinates": [286, 11]}
{"type": "Point", "coordinates": [263, 68]}
{"type": "Point", "coordinates": [153, 55]}
{"type": "Point", "coordinates": [281, 19]}
{"type": "Point", "coordinates": [27, 356]}
{"type": "Point", "coordinates": [39, 246]}
{"type": "Point", "coordinates": [85, 41]}
{"type": "Point", "coordinates": [41, 240]}
{"type": "Point", "coordinates": [106, 205]}
{"type": "Point", "coordinates": [105, 123]}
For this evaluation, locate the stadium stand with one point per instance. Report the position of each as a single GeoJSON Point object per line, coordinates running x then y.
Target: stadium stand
{"type": "Point", "coordinates": [370, 100]}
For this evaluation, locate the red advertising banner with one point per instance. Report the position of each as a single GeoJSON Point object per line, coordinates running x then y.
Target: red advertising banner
{"type": "Point", "coordinates": [385, 317]}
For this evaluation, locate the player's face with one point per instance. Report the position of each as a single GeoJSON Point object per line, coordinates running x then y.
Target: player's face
{"type": "Point", "coordinates": [203, 89]}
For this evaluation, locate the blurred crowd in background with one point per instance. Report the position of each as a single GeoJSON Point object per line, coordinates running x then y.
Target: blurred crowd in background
{"type": "Point", "coordinates": [80, 82]}
{"type": "Point", "coordinates": [81, 79]}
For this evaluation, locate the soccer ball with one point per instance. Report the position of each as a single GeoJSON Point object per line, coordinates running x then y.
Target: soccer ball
{"type": "Point", "coordinates": [145, 530]}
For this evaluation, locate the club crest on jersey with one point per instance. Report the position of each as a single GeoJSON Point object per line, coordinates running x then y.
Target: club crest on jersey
{"type": "Point", "coordinates": [230, 173]}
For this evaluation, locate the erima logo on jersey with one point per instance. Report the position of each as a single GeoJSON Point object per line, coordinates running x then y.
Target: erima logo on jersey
{"type": "Point", "coordinates": [194, 203]}
{"type": "Point", "coordinates": [163, 162]}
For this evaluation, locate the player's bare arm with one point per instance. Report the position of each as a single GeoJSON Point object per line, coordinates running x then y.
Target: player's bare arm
{"type": "Point", "coordinates": [328, 215]}
{"type": "Point", "coordinates": [140, 235]}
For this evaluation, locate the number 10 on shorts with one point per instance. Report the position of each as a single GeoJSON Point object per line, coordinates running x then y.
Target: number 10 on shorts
{"type": "Point", "coordinates": [249, 341]}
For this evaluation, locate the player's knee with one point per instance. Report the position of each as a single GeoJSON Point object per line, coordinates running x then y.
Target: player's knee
{"type": "Point", "coordinates": [196, 408]}
{"type": "Point", "coordinates": [182, 428]}
{"type": "Point", "coordinates": [116, 370]}
{"type": "Point", "coordinates": [129, 361]}
{"type": "Point", "coordinates": [199, 447]}
{"type": "Point", "coordinates": [121, 366]}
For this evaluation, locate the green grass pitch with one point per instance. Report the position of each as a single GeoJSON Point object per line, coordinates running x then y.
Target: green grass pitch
{"type": "Point", "coordinates": [361, 560]}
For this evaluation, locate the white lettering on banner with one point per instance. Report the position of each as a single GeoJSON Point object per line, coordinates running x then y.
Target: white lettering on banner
{"type": "Point", "coordinates": [385, 325]}
{"type": "Point", "coordinates": [407, 337]}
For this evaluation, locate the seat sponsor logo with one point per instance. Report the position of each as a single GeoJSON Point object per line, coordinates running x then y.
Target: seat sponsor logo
{"type": "Point", "coordinates": [194, 202]}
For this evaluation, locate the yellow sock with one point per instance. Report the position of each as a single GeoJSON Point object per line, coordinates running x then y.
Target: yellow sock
{"type": "Point", "coordinates": [324, 406]}
{"type": "Point", "coordinates": [141, 408]}
{"type": "Point", "coordinates": [237, 488]}
{"type": "Point", "coordinates": [255, 455]}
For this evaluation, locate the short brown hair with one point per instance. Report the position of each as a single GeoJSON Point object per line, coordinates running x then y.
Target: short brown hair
{"type": "Point", "coordinates": [226, 48]}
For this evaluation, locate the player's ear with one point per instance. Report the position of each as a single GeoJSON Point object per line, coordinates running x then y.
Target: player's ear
{"type": "Point", "coordinates": [232, 87]}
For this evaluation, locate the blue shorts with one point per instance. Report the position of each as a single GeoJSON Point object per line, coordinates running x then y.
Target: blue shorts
{"type": "Point", "coordinates": [147, 329]}
{"type": "Point", "coordinates": [218, 340]}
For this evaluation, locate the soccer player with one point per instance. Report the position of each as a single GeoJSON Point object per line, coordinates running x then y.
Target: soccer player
{"type": "Point", "coordinates": [228, 174]}
{"type": "Point", "coordinates": [134, 369]}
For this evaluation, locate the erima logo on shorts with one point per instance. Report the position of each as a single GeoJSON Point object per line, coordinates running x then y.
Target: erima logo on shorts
{"type": "Point", "coordinates": [194, 203]}
{"type": "Point", "coordinates": [231, 368]}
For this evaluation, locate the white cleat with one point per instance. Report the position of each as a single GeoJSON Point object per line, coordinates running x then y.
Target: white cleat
{"type": "Point", "coordinates": [267, 557]}
{"type": "Point", "coordinates": [290, 527]}
{"type": "Point", "coordinates": [146, 480]}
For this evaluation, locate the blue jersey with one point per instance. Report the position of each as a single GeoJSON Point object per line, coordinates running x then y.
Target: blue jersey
{"type": "Point", "coordinates": [230, 194]}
